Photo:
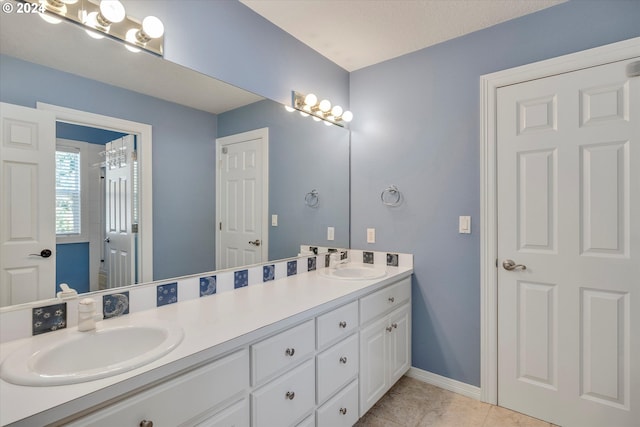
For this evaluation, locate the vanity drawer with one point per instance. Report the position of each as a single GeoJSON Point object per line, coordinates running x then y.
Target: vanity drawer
{"type": "Point", "coordinates": [286, 399]}
{"type": "Point", "coordinates": [281, 352]}
{"type": "Point", "coordinates": [179, 400]}
{"type": "Point", "coordinates": [384, 300]}
{"type": "Point", "coordinates": [341, 410]}
{"type": "Point", "coordinates": [337, 366]}
{"type": "Point", "coordinates": [236, 415]}
{"type": "Point", "coordinates": [337, 324]}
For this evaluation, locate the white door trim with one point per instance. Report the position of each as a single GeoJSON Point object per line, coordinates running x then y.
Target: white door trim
{"type": "Point", "coordinates": [489, 85]}
{"type": "Point", "coordinates": [145, 262]}
{"type": "Point", "coordinates": [262, 134]}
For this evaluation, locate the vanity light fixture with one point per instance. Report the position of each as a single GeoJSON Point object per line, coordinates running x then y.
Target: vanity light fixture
{"type": "Point", "coordinates": [105, 18]}
{"type": "Point", "coordinates": [308, 105]}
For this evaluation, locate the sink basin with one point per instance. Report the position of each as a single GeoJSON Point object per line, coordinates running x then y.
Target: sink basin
{"type": "Point", "coordinates": [86, 356]}
{"type": "Point", "coordinates": [353, 271]}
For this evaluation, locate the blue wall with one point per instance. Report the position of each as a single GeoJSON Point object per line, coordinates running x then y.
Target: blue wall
{"type": "Point", "coordinates": [227, 40]}
{"type": "Point", "coordinates": [303, 155]}
{"type": "Point", "coordinates": [417, 126]}
{"type": "Point", "coordinates": [85, 133]}
{"type": "Point", "coordinates": [183, 154]}
{"type": "Point", "coordinates": [72, 266]}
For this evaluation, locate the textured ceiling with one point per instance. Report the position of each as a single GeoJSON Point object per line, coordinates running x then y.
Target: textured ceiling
{"type": "Point", "coordinates": [358, 33]}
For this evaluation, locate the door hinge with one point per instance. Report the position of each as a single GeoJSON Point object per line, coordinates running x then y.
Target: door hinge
{"type": "Point", "coordinates": [134, 228]}
{"type": "Point", "coordinates": [225, 150]}
{"type": "Point", "coordinates": [220, 226]}
{"type": "Point", "coordinates": [496, 262]}
{"type": "Point", "coordinates": [134, 155]}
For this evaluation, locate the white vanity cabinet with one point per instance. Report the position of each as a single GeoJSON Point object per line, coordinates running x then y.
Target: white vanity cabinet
{"type": "Point", "coordinates": [212, 395]}
{"type": "Point", "coordinates": [385, 341]}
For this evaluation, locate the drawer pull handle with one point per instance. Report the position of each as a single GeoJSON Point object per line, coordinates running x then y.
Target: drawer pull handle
{"type": "Point", "coordinates": [392, 299]}
{"type": "Point", "coordinates": [342, 324]}
{"type": "Point", "coordinates": [145, 423]}
{"type": "Point", "coordinates": [290, 395]}
{"type": "Point", "coordinates": [343, 360]}
{"type": "Point", "coordinates": [343, 411]}
{"type": "Point", "coordinates": [290, 351]}
{"type": "Point", "coordinates": [395, 325]}
{"type": "Point", "coordinates": [389, 328]}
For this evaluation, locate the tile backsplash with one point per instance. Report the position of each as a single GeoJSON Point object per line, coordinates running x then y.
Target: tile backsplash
{"type": "Point", "coordinates": [51, 315]}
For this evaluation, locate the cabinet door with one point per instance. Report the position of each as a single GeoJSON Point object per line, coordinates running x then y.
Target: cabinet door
{"type": "Point", "coordinates": [236, 415]}
{"type": "Point", "coordinates": [373, 364]}
{"type": "Point", "coordinates": [399, 343]}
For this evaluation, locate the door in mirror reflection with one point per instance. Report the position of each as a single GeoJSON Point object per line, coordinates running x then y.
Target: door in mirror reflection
{"type": "Point", "coordinates": [120, 220]}
{"type": "Point", "coordinates": [242, 198]}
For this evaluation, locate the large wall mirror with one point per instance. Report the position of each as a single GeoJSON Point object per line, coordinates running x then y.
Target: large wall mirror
{"type": "Point", "coordinates": [107, 103]}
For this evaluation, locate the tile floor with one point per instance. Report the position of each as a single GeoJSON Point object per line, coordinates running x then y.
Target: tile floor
{"type": "Point", "coordinates": [413, 403]}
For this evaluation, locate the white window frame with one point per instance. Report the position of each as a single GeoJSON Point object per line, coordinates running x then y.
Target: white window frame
{"type": "Point", "coordinates": [79, 147]}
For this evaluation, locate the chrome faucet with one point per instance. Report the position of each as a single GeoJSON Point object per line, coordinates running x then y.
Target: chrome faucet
{"type": "Point", "coordinates": [336, 258]}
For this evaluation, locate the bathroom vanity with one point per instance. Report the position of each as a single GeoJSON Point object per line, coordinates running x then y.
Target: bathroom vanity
{"type": "Point", "coordinates": [303, 350]}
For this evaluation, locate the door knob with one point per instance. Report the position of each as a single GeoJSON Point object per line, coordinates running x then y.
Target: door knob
{"type": "Point", "coordinates": [255, 242]}
{"type": "Point", "coordinates": [107, 240]}
{"type": "Point", "coordinates": [510, 265]}
{"type": "Point", "coordinates": [45, 253]}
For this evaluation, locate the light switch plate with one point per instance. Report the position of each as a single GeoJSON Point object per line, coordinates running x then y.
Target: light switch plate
{"type": "Point", "coordinates": [274, 220]}
{"type": "Point", "coordinates": [331, 233]}
{"type": "Point", "coordinates": [464, 225]}
{"type": "Point", "coordinates": [371, 235]}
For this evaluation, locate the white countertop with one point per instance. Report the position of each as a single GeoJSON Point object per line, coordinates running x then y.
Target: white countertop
{"type": "Point", "coordinates": [213, 325]}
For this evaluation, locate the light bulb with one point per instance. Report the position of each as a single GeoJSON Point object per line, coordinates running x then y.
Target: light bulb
{"type": "Point", "coordinates": [92, 20]}
{"type": "Point", "coordinates": [310, 100]}
{"type": "Point", "coordinates": [69, 1]}
{"type": "Point", "coordinates": [328, 123]}
{"type": "Point", "coordinates": [325, 105]}
{"type": "Point", "coordinates": [317, 119]}
{"type": "Point", "coordinates": [153, 27]}
{"type": "Point", "coordinates": [112, 10]}
{"type": "Point", "coordinates": [336, 111]}
{"type": "Point", "coordinates": [347, 116]}
{"type": "Point", "coordinates": [289, 109]}
{"type": "Point", "coordinates": [303, 114]}
{"type": "Point", "coordinates": [131, 38]}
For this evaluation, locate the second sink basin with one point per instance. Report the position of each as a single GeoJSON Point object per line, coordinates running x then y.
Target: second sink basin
{"type": "Point", "coordinates": [354, 271]}
{"type": "Point", "coordinates": [86, 356]}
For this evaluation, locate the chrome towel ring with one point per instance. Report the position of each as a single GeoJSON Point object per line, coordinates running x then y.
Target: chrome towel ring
{"type": "Point", "coordinates": [391, 196]}
{"type": "Point", "coordinates": [312, 199]}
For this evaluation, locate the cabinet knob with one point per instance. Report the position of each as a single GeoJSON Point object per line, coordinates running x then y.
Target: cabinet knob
{"type": "Point", "coordinates": [342, 324]}
{"type": "Point", "coordinates": [389, 328]}
{"type": "Point", "coordinates": [290, 395]}
{"type": "Point", "coordinates": [392, 299]}
{"type": "Point", "coordinates": [343, 411]}
{"type": "Point", "coordinates": [343, 360]}
{"type": "Point", "coordinates": [290, 351]}
{"type": "Point", "coordinates": [145, 423]}
{"type": "Point", "coordinates": [394, 325]}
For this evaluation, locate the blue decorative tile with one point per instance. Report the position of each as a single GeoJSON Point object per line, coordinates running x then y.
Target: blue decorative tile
{"type": "Point", "coordinates": [268, 272]}
{"type": "Point", "coordinates": [167, 294]}
{"type": "Point", "coordinates": [367, 257]}
{"type": "Point", "coordinates": [392, 260]}
{"type": "Point", "coordinates": [207, 286]}
{"type": "Point", "coordinates": [292, 268]}
{"type": "Point", "coordinates": [49, 318]}
{"type": "Point", "coordinates": [240, 279]}
{"type": "Point", "coordinates": [311, 263]}
{"type": "Point", "coordinates": [314, 249]}
{"type": "Point", "coordinates": [115, 305]}
{"type": "Point", "coordinates": [344, 255]}
{"type": "Point", "coordinates": [327, 260]}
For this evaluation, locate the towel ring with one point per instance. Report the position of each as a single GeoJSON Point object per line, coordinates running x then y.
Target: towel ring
{"type": "Point", "coordinates": [312, 199]}
{"type": "Point", "coordinates": [391, 196]}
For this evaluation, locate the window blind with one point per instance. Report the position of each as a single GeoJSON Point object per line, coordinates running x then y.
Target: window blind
{"type": "Point", "coordinates": [67, 191]}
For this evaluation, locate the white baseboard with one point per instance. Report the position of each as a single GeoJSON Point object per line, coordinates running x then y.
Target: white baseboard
{"type": "Point", "coordinates": [444, 383]}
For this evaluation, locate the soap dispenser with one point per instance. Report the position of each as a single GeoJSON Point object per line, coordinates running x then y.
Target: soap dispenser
{"type": "Point", "coordinates": [87, 315]}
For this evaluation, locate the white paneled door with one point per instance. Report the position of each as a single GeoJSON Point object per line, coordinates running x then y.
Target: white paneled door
{"type": "Point", "coordinates": [569, 220]}
{"type": "Point", "coordinates": [120, 251]}
{"type": "Point", "coordinates": [27, 205]}
{"type": "Point", "coordinates": [242, 195]}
